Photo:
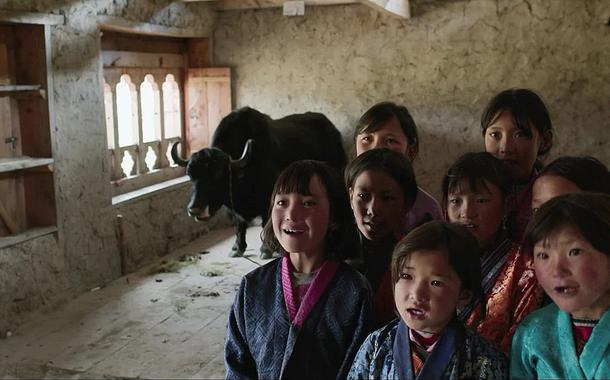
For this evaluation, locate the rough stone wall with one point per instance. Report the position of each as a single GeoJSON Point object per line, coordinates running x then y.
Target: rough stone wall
{"type": "Point", "coordinates": [444, 64]}
{"type": "Point", "coordinates": [46, 271]}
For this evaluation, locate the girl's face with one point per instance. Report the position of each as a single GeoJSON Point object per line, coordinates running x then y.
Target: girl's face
{"type": "Point", "coordinates": [300, 221]}
{"type": "Point", "coordinates": [378, 203]}
{"type": "Point", "coordinates": [390, 136]}
{"type": "Point", "coordinates": [428, 291]}
{"type": "Point", "coordinates": [550, 186]}
{"type": "Point", "coordinates": [511, 145]}
{"type": "Point", "coordinates": [574, 274]}
{"type": "Point", "coordinates": [481, 211]}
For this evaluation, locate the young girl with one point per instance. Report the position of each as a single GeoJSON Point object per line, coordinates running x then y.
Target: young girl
{"type": "Point", "coordinates": [305, 314]}
{"type": "Point", "coordinates": [474, 191]}
{"type": "Point", "coordinates": [382, 189]}
{"type": "Point", "coordinates": [517, 130]}
{"type": "Point", "coordinates": [388, 125]}
{"type": "Point", "coordinates": [570, 175]}
{"type": "Point", "coordinates": [570, 240]}
{"type": "Point", "coordinates": [435, 268]}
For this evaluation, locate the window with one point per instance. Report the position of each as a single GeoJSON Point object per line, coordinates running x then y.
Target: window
{"type": "Point", "coordinates": [148, 119]}
{"type": "Point", "coordinates": [157, 92]}
{"type": "Point", "coordinates": [143, 98]}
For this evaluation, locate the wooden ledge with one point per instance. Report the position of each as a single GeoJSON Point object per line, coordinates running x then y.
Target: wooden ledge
{"type": "Point", "coordinates": [31, 18]}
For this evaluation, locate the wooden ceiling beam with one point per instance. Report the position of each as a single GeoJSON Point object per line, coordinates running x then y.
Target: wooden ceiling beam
{"type": "Point", "coordinates": [230, 5]}
{"type": "Point", "coordinates": [397, 8]}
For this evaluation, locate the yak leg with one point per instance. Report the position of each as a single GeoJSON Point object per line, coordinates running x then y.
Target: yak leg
{"type": "Point", "coordinates": [240, 239]}
{"type": "Point", "coordinates": [266, 252]}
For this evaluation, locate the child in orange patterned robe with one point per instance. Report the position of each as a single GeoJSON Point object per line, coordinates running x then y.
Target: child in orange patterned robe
{"type": "Point", "coordinates": [474, 195]}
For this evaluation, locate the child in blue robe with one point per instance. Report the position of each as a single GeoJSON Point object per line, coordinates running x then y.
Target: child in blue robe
{"type": "Point", "coordinates": [305, 314]}
{"type": "Point", "coordinates": [569, 238]}
{"type": "Point", "coordinates": [435, 268]}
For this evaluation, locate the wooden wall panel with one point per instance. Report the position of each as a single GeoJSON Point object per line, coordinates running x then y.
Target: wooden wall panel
{"type": "Point", "coordinates": [142, 43]}
{"type": "Point", "coordinates": [199, 52]}
{"type": "Point", "coordinates": [30, 68]}
{"type": "Point", "coordinates": [13, 203]}
{"type": "Point", "coordinates": [208, 100]}
{"type": "Point", "coordinates": [39, 197]}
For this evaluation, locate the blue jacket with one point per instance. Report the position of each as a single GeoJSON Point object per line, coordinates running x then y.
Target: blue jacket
{"type": "Point", "coordinates": [543, 347]}
{"type": "Point", "coordinates": [468, 356]}
{"type": "Point", "coordinates": [262, 343]}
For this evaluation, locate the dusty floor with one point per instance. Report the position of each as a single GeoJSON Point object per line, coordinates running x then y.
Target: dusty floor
{"type": "Point", "coordinates": [165, 325]}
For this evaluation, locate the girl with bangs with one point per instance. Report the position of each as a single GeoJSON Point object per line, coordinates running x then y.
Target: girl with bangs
{"type": "Point", "coordinates": [569, 238]}
{"type": "Point", "coordinates": [305, 314]}
{"type": "Point", "coordinates": [435, 269]}
{"type": "Point", "coordinates": [517, 130]}
{"type": "Point", "coordinates": [474, 194]}
{"type": "Point", "coordinates": [382, 189]}
{"type": "Point", "coordinates": [391, 126]}
{"type": "Point", "coordinates": [570, 175]}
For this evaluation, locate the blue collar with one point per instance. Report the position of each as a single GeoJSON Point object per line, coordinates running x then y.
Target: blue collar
{"type": "Point", "coordinates": [439, 358]}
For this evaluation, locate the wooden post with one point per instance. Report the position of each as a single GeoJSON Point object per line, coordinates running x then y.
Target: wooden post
{"type": "Point", "coordinates": [120, 236]}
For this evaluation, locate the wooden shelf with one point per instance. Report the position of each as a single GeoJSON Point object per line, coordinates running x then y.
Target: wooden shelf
{"type": "Point", "coordinates": [22, 91]}
{"type": "Point", "coordinates": [23, 162]}
{"type": "Point", "coordinates": [27, 189]}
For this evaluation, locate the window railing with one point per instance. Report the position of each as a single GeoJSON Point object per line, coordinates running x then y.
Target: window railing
{"type": "Point", "coordinates": [142, 121]}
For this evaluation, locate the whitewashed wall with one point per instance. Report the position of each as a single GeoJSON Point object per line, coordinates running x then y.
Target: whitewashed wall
{"type": "Point", "coordinates": [444, 64]}
{"type": "Point", "coordinates": [44, 272]}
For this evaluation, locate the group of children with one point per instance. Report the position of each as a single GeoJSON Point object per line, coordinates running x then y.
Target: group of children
{"type": "Point", "coordinates": [509, 278]}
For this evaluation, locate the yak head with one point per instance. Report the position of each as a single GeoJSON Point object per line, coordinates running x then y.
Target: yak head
{"type": "Point", "coordinates": [211, 172]}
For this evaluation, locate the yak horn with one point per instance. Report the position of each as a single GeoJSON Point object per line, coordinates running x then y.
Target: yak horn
{"type": "Point", "coordinates": [245, 156]}
{"type": "Point", "coordinates": [177, 159]}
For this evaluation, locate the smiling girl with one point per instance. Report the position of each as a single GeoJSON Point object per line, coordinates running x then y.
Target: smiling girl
{"type": "Point", "coordinates": [435, 269]}
{"type": "Point", "coordinates": [307, 306]}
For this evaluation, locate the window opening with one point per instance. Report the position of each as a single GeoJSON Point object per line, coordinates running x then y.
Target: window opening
{"type": "Point", "coordinates": [127, 113]}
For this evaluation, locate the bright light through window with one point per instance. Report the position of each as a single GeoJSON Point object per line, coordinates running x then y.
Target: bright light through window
{"type": "Point", "coordinates": [151, 121]}
{"type": "Point", "coordinates": [127, 112]}
{"type": "Point", "coordinates": [150, 159]}
{"type": "Point", "coordinates": [127, 163]}
{"type": "Point", "coordinates": [171, 107]}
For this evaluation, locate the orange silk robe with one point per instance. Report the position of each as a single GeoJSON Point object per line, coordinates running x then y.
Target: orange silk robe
{"type": "Point", "coordinates": [514, 295]}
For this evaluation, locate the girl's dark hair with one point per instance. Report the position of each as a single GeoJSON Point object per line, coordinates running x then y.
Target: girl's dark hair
{"type": "Point", "coordinates": [384, 160]}
{"type": "Point", "coordinates": [588, 212]}
{"type": "Point", "coordinates": [341, 237]}
{"type": "Point", "coordinates": [462, 249]}
{"type": "Point", "coordinates": [527, 110]}
{"type": "Point", "coordinates": [381, 113]}
{"type": "Point", "coordinates": [475, 168]}
{"type": "Point", "coordinates": [586, 172]}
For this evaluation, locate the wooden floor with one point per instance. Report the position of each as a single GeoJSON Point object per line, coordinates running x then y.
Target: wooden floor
{"type": "Point", "coordinates": [164, 325]}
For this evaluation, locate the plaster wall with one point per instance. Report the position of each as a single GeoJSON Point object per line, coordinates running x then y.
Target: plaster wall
{"type": "Point", "coordinates": [84, 254]}
{"type": "Point", "coordinates": [444, 64]}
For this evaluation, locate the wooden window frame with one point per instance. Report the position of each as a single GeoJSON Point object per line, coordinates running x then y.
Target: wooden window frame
{"type": "Point", "coordinates": [205, 96]}
{"type": "Point", "coordinates": [137, 56]}
{"type": "Point", "coordinates": [141, 175]}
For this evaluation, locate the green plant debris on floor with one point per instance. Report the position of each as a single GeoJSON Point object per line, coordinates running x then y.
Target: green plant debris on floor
{"type": "Point", "coordinates": [173, 265]}
{"type": "Point", "coordinates": [212, 273]}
